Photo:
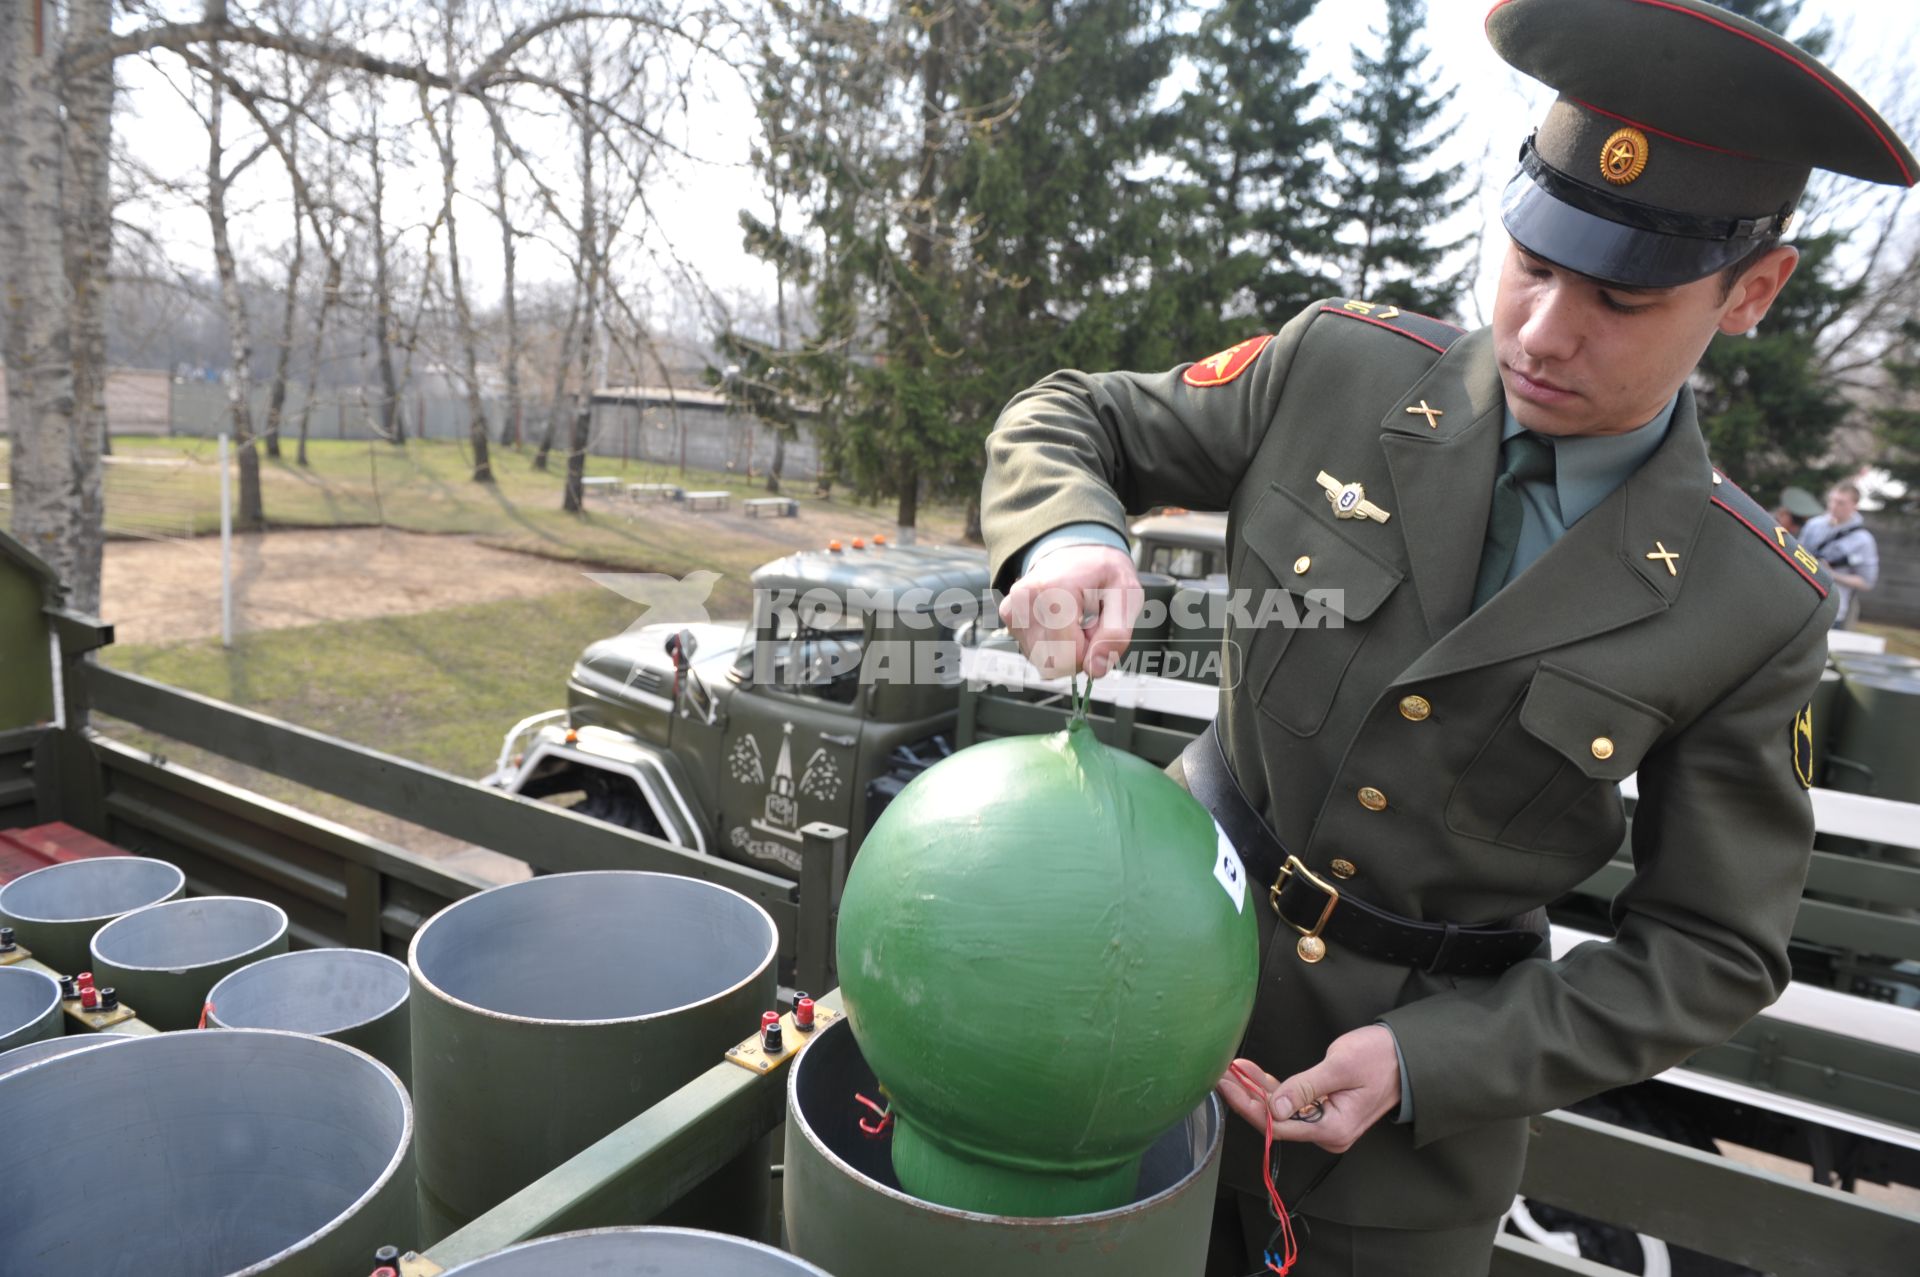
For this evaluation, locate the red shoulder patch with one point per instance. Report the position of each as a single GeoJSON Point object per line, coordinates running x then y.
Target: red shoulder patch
{"type": "Point", "coordinates": [1434, 334]}
{"type": "Point", "coordinates": [1218, 370]}
{"type": "Point", "coordinates": [1751, 516]}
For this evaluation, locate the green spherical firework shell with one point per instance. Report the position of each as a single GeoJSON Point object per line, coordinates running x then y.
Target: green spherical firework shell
{"type": "Point", "coordinates": [1048, 959]}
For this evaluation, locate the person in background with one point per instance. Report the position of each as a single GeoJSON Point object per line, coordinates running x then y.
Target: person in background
{"type": "Point", "coordinates": [1797, 505]}
{"type": "Point", "coordinates": [1839, 538]}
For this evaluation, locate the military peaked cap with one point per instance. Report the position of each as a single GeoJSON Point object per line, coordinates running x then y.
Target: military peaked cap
{"type": "Point", "coordinates": [1682, 138]}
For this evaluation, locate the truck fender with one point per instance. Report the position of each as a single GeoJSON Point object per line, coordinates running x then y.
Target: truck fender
{"type": "Point", "coordinates": [654, 773]}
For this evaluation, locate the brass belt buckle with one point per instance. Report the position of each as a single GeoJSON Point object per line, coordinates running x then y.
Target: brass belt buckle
{"type": "Point", "coordinates": [1310, 946]}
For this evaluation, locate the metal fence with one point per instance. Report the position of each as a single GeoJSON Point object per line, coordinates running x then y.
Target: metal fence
{"type": "Point", "coordinates": [695, 435]}
{"type": "Point", "coordinates": [349, 412]}
{"type": "Point", "coordinates": [139, 401]}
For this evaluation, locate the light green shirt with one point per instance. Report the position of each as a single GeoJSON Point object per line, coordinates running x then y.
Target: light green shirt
{"type": "Point", "coordinates": [1587, 468]}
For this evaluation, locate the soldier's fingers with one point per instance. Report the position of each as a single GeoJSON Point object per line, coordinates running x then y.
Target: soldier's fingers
{"type": "Point", "coordinates": [1330, 1122]}
{"type": "Point", "coordinates": [1055, 642]}
{"type": "Point", "coordinates": [1247, 1089]}
{"type": "Point", "coordinates": [1116, 608]}
{"type": "Point", "coordinates": [1303, 1090]}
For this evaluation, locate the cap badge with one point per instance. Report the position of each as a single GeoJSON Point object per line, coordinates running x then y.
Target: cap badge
{"type": "Point", "coordinates": [1624, 156]}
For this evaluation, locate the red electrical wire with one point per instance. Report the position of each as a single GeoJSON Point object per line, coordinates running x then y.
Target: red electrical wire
{"type": "Point", "coordinates": [875, 1130]}
{"type": "Point", "coordinates": [1289, 1247]}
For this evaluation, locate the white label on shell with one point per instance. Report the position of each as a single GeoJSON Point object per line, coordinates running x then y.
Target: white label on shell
{"type": "Point", "coordinates": [1229, 872]}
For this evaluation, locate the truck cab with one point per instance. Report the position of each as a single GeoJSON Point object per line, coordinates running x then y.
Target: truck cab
{"type": "Point", "coordinates": [729, 738]}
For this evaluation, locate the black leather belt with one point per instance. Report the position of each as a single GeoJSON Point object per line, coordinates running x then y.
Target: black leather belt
{"type": "Point", "coordinates": [1323, 912]}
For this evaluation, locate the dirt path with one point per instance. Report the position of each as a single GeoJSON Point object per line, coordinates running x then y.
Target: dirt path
{"type": "Point", "coordinates": [168, 591]}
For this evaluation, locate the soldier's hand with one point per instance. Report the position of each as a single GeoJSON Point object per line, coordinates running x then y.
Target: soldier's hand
{"type": "Point", "coordinates": [1075, 610]}
{"type": "Point", "coordinates": [1356, 1085]}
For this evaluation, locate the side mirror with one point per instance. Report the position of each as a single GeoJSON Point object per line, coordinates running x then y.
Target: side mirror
{"type": "Point", "coordinates": [681, 647]}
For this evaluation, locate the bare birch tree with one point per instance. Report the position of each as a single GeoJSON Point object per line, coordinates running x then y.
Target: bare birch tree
{"type": "Point", "coordinates": [511, 428]}
{"type": "Point", "coordinates": [443, 142]}
{"type": "Point", "coordinates": [88, 199]}
{"type": "Point", "coordinates": [573, 498]}
{"type": "Point", "coordinates": [233, 300]}
{"type": "Point", "coordinates": [327, 217]}
{"type": "Point", "coordinates": [562, 365]}
{"type": "Point", "coordinates": [54, 464]}
{"type": "Point", "coordinates": [385, 317]}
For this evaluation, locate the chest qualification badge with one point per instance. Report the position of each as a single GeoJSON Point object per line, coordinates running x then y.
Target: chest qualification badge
{"type": "Point", "coordinates": [1349, 500]}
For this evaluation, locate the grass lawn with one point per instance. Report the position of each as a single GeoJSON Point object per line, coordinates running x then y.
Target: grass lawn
{"type": "Point", "coordinates": [169, 487]}
{"type": "Point", "coordinates": [439, 688]}
{"type": "Point", "coordinates": [1900, 641]}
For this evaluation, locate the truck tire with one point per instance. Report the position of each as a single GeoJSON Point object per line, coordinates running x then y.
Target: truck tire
{"type": "Point", "coordinates": [616, 800]}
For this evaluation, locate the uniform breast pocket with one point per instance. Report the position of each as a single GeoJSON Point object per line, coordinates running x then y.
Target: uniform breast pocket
{"type": "Point", "coordinates": [1548, 779]}
{"type": "Point", "coordinates": [1308, 590]}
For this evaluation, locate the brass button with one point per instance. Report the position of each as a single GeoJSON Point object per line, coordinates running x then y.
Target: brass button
{"type": "Point", "coordinates": [1415, 709]}
{"type": "Point", "coordinates": [1301, 564]}
{"type": "Point", "coordinates": [1342, 868]}
{"type": "Point", "coordinates": [1603, 747]}
{"type": "Point", "coordinates": [1372, 799]}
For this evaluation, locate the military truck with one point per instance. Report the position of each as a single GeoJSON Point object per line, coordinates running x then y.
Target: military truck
{"type": "Point", "coordinates": [729, 738]}
{"type": "Point", "coordinates": [1187, 545]}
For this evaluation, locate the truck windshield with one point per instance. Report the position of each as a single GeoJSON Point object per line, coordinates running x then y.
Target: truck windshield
{"type": "Point", "coordinates": [821, 662]}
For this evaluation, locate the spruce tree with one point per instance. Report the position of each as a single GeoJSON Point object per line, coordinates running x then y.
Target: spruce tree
{"type": "Point", "coordinates": [1391, 122]}
{"type": "Point", "coordinates": [1897, 422]}
{"type": "Point", "coordinates": [985, 223]}
{"type": "Point", "coordinates": [1253, 146]}
{"type": "Point", "coordinates": [1767, 407]}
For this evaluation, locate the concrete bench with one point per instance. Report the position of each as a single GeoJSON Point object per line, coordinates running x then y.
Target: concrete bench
{"type": "Point", "coordinates": [603, 484]}
{"type": "Point", "coordinates": [715, 499]}
{"type": "Point", "coordinates": [772, 507]}
{"type": "Point", "coordinates": [654, 492]}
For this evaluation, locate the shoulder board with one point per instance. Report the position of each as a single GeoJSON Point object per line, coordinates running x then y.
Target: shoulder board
{"type": "Point", "coordinates": [1436, 334]}
{"type": "Point", "coordinates": [1753, 516]}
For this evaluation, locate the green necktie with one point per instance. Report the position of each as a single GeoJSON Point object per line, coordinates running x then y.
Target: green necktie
{"type": "Point", "coordinates": [1527, 459]}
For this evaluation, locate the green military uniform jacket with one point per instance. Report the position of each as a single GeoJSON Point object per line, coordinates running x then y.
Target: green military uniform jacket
{"type": "Point", "coordinates": [1497, 739]}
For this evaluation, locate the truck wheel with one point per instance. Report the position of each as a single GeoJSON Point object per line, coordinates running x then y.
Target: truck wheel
{"type": "Point", "coordinates": [616, 800]}
{"type": "Point", "coordinates": [1609, 1244]}
{"type": "Point", "coordinates": [1572, 1234]}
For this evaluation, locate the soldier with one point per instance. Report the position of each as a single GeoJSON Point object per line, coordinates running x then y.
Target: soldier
{"type": "Point", "coordinates": [1795, 507]}
{"type": "Point", "coordinates": [1538, 586]}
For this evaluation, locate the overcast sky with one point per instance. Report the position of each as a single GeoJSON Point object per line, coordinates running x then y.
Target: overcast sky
{"type": "Point", "coordinates": [1496, 107]}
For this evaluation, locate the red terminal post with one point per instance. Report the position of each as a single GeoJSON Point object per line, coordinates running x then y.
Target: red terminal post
{"type": "Point", "coordinates": [879, 539]}
{"type": "Point", "coordinates": [770, 1039]}
{"type": "Point", "coordinates": [89, 998]}
{"type": "Point", "coordinates": [803, 1013]}
{"type": "Point", "coordinates": [858, 544]}
{"type": "Point", "coordinates": [86, 980]}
